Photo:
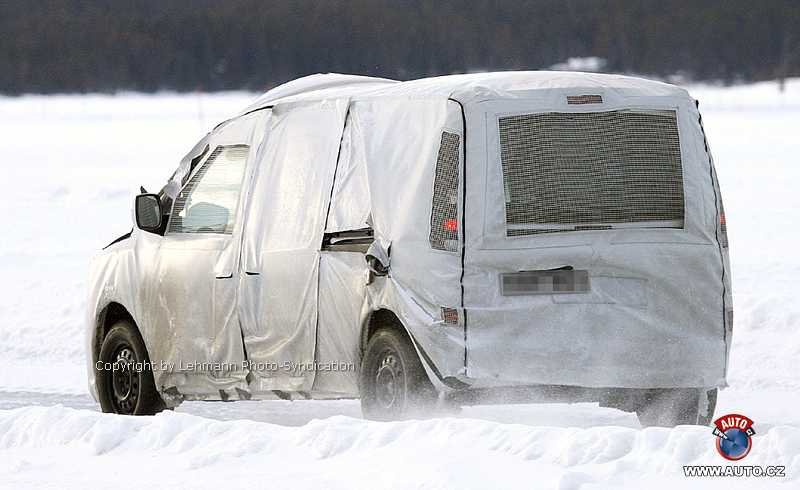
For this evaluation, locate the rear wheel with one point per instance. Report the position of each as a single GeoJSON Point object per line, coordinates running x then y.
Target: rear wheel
{"type": "Point", "coordinates": [393, 382]}
{"type": "Point", "coordinates": [671, 407]}
{"type": "Point", "coordinates": [124, 377]}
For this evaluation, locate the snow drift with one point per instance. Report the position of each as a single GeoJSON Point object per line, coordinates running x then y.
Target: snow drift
{"type": "Point", "coordinates": [89, 449]}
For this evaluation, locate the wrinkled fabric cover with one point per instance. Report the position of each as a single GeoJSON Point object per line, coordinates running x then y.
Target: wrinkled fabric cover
{"type": "Point", "coordinates": [283, 234]}
{"type": "Point", "coordinates": [654, 316]}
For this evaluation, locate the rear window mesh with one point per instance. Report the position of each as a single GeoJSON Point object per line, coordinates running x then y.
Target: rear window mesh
{"type": "Point", "coordinates": [588, 171]}
{"type": "Point", "coordinates": [444, 213]}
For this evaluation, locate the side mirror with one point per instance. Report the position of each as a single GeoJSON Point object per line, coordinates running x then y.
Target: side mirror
{"type": "Point", "coordinates": [148, 212]}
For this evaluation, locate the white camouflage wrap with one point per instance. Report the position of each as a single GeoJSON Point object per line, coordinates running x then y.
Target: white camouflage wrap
{"type": "Point", "coordinates": [332, 153]}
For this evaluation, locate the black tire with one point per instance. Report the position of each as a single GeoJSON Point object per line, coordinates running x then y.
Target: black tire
{"type": "Point", "coordinates": [393, 383]}
{"type": "Point", "coordinates": [671, 407]}
{"type": "Point", "coordinates": [124, 376]}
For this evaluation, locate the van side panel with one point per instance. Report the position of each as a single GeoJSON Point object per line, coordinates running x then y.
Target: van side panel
{"type": "Point", "coordinates": [403, 143]}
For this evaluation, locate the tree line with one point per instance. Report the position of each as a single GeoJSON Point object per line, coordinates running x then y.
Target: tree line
{"type": "Point", "coordinates": [147, 45]}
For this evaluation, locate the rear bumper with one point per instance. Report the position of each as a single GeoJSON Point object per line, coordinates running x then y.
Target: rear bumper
{"type": "Point", "coordinates": [596, 346]}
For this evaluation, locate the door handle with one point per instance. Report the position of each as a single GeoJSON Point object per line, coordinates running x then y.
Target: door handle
{"type": "Point", "coordinates": [249, 273]}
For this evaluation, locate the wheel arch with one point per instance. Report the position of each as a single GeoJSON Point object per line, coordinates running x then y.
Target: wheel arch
{"type": "Point", "coordinates": [112, 313]}
{"type": "Point", "coordinates": [380, 318]}
{"type": "Point", "coordinates": [386, 318]}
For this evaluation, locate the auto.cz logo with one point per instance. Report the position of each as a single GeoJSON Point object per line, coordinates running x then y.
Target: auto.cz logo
{"type": "Point", "coordinates": [734, 433]}
{"type": "Point", "coordinates": [734, 442]}
{"type": "Point", "coordinates": [734, 471]}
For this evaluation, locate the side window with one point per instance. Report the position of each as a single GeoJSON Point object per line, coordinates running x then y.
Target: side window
{"type": "Point", "coordinates": [444, 213]}
{"type": "Point", "coordinates": [207, 204]}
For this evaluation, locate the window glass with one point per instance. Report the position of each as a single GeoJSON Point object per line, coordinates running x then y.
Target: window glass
{"type": "Point", "coordinates": [207, 204]}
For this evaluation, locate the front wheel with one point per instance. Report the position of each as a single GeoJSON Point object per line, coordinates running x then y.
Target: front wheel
{"type": "Point", "coordinates": [393, 382]}
{"type": "Point", "coordinates": [124, 376]}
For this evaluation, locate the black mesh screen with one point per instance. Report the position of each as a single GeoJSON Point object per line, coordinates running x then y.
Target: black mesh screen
{"type": "Point", "coordinates": [584, 99]}
{"type": "Point", "coordinates": [581, 171]}
{"type": "Point", "coordinates": [444, 213]}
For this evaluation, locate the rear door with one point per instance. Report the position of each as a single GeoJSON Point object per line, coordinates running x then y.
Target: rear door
{"type": "Point", "coordinates": [596, 262]}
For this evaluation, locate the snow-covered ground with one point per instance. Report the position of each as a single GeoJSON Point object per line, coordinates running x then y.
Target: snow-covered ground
{"type": "Point", "coordinates": [71, 166]}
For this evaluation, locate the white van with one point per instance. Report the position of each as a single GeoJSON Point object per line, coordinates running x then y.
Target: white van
{"type": "Point", "coordinates": [495, 237]}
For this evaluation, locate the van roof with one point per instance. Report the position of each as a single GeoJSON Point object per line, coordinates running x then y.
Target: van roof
{"type": "Point", "coordinates": [461, 87]}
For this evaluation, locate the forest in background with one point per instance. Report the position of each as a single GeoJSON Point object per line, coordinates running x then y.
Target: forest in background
{"type": "Point", "coordinates": [148, 45]}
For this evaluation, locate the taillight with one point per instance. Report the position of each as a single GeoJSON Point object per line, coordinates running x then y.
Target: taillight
{"type": "Point", "coordinates": [450, 224]}
{"type": "Point", "coordinates": [723, 227]}
{"type": "Point", "coordinates": [450, 315]}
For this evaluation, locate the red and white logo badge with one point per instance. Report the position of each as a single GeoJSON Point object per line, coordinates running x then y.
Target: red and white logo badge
{"type": "Point", "coordinates": [734, 433]}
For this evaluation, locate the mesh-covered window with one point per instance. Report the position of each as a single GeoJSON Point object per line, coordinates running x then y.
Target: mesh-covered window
{"type": "Point", "coordinates": [207, 204]}
{"type": "Point", "coordinates": [444, 214]}
{"type": "Point", "coordinates": [596, 170]}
